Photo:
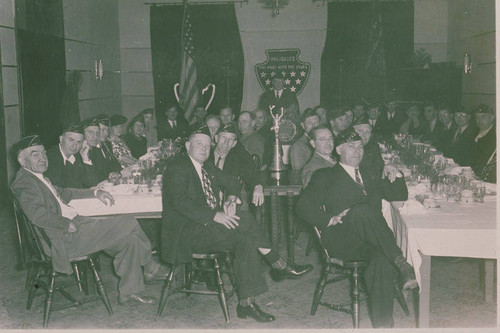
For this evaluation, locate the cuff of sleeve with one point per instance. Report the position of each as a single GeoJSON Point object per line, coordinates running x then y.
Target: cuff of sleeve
{"type": "Point", "coordinates": [89, 162]}
{"type": "Point", "coordinates": [95, 193]}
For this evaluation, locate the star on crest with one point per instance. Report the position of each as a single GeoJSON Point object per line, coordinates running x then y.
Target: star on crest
{"type": "Point", "coordinates": [302, 73]}
{"type": "Point", "coordinates": [287, 81]}
{"type": "Point", "coordinates": [298, 81]}
{"type": "Point", "coordinates": [292, 74]}
{"type": "Point", "coordinates": [292, 89]}
{"type": "Point", "coordinates": [263, 74]}
{"type": "Point", "coordinates": [268, 82]}
{"type": "Point", "coordinates": [273, 74]}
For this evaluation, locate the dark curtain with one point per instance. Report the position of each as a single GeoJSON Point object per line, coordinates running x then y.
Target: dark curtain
{"type": "Point", "coordinates": [218, 53]}
{"type": "Point", "coordinates": [42, 58]}
{"type": "Point", "coordinates": [361, 58]}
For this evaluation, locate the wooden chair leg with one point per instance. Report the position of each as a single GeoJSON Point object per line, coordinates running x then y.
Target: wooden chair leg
{"type": "Point", "coordinates": [320, 288]}
{"type": "Point", "coordinates": [100, 286]}
{"type": "Point", "coordinates": [29, 276]}
{"type": "Point", "coordinates": [355, 297]}
{"type": "Point", "coordinates": [230, 271]}
{"type": "Point", "coordinates": [401, 299]}
{"type": "Point", "coordinates": [33, 287]}
{"type": "Point", "coordinates": [76, 270]}
{"type": "Point", "coordinates": [83, 267]}
{"type": "Point", "coordinates": [222, 296]}
{"type": "Point", "coordinates": [188, 277]}
{"type": "Point", "coordinates": [165, 290]}
{"type": "Point", "coordinates": [310, 244]}
{"type": "Point", "coordinates": [48, 299]}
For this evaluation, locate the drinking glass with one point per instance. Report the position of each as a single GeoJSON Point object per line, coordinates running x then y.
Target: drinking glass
{"type": "Point", "coordinates": [479, 191]}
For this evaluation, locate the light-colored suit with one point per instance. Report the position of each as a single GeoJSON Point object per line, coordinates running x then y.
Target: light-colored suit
{"type": "Point", "coordinates": [316, 162]}
{"type": "Point", "coordinates": [300, 153]}
{"type": "Point", "coordinates": [119, 236]}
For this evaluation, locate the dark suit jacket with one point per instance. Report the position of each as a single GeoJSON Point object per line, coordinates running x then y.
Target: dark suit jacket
{"type": "Point", "coordinates": [137, 145]}
{"type": "Point", "coordinates": [43, 210]}
{"type": "Point", "coordinates": [462, 149]}
{"type": "Point", "coordinates": [103, 162]}
{"type": "Point", "coordinates": [268, 98]}
{"type": "Point", "coordinates": [185, 207]}
{"type": "Point", "coordinates": [372, 158]}
{"type": "Point", "coordinates": [332, 190]}
{"type": "Point", "coordinates": [165, 131]}
{"type": "Point", "coordinates": [444, 145]}
{"type": "Point", "coordinates": [268, 135]}
{"type": "Point", "coordinates": [433, 137]}
{"type": "Point", "coordinates": [484, 148]}
{"type": "Point", "coordinates": [387, 128]}
{"type": "Point", "coordinates": [77, 175]}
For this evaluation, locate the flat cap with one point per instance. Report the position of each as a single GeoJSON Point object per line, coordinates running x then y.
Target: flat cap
{"type": "Point", "coordinates": [117, 119]}
{"type": "Point", "coordinates": [27, 141]}
{"type": "Point", "coordinates": [203, 129]}
{"type": "Point", "coordinates": [74, 127]}
{"type": "Point", "coordinates": [336, 113]}
{"type": "Point", "coordinates": [103, 119]}
{"type": "Point", "coordinates": [349, 135]}
{"type": "Point", "coordinates": [483, 108]}
{"type": "Point", "coordinates": [92, 121]}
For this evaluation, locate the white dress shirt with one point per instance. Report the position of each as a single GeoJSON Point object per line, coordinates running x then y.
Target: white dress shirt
{"type": "Point", "coordinates": [197, 167]}
{"type": "Point", "coordinates": [71, 159]}
{"type": "Point", "coordinates": [351, 171]}
{"type": "Point", "coordinates": [172, 123]}
{"type": "Point", "coordinates": [222, 160]}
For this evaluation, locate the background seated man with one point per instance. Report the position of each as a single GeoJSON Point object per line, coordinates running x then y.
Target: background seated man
{"type": "Point", "coordinates": [485, 165]}
{"type": "Point", "coordinates": [445, 116]}
{"type": "Point", "coordinates": [71, 235]}
{"type": "Point", "coordinates": [433, 129]}
{"type": "Point", "coordinates": [175, 126]}
{"type": "Point", "coordinates": [254, 143]}
{"type": "Point", "coordinates": [345, 203]}
{"type": "Point", "coordinates": [69, 162]}
{"type": "Point", "coordinates": [463, 144]}
{"type": "Point", "coordinates": [213, 122]}
{"type": "Point", "coordinates": [322, 142]}
{"type": "Point", "coordinates": [196, 220]}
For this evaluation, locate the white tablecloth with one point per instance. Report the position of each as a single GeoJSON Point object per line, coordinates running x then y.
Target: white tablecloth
{"type": "Point", "coordinates": [124, 204]}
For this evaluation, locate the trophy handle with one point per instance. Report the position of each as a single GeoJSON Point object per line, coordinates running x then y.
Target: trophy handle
{"type": "Point", "coordinates": [211, 97]}
{"type": "Point", "coordinates": [176, 92]}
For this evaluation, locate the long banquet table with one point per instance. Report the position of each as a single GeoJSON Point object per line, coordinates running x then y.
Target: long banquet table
{"type": "Point", "coordinates": [453, 230]}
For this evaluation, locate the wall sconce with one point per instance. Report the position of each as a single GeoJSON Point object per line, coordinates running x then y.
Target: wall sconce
{"type": "Point", "coordinates": [99, 70]}
{"type": "Point", "coordinates": [275, 5]}
{"type": "Point", "coordinates": [467, 63]}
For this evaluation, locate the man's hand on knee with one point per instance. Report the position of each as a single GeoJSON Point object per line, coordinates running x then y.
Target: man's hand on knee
{"type": "Point", "coordinates": [229, 221]}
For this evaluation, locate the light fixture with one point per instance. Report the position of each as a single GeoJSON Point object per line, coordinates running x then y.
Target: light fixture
{"type": "Point", "coordinates": [99, 70]}
{"type": "Point", "coordinates": [467, 63]}
{"type": "Point", "coordinates": [275, 5]}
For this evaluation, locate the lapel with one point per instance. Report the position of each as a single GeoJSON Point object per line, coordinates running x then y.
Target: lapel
{"type": "Point", "coordinates": [46, 192]}
{"type": "Point", "coordinates": [346, 178]}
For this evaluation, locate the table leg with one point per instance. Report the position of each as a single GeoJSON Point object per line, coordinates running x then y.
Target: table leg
{"type": "Point", "coordinates": [425, 290]}
{"type": "Point", "coordinates": [291, 243]}
{"type": "Point", "coordinates": [275, 221]}
{"type": "Point", "coordinates": [488, 277]}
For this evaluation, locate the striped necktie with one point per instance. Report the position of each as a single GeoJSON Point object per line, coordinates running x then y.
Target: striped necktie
{"type": "Point", "coordinates": [358, 181]}
{"type": "Point", "coordinates": [207, 189]}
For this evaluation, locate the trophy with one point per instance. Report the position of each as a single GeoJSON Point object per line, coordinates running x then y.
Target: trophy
{"type": "Point", "coordinates": [277, 168]}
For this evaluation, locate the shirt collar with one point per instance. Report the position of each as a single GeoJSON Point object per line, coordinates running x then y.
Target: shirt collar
{"type": "Point", "coordinates": [350, 170]}
{"type": "Point", "coordinates": [197, 165]}
{"type": "Point", "coordinates": [71, 159]}
{"type": "Point", "coordinates": [325, 157]}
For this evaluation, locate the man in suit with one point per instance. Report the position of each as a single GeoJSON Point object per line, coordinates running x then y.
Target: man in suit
{"type": "Point", "coordinates": [196, 220]}
{"type": "Point", "coordinates": [359, 112]}
{"type": "Point", "coordinates": [433, 129]}
{"type": "Point", "coordinates": [374, 119]}
{"type": "Point", "coordinates": [69, 162]}
{"type": "Point", "coordinates": [485, 144]}
{"type": "Point", "coordinates": [301, 150]}
{"type": "Point", "coordinates": [281, 98]}
{"type": "Point", "coordinates": [254, 143]}
{"type": "Point", "coordinates": [344, 202]}
{"type": "Point", "coordinates": [226, 115]}
{"type": "Point", "coordinates": [390, 120]}
{"type": "Point", "coordinates": [463, 145]}
{"type": "Point", "coordinates": [322, 141]}
{"type": "Point", "coordinates": [199, 119]}
{"type": "Point", "coordinates": [338, 121]}
{"type": "Point", "coordinates": [263, 127]}
{"type": "Point", "coordinates": [175, 126]}
{"type": "Point", "coordinates": [72, 235]}
{"type": "Point", "coordinates": [321, 111]}
{"type": "Point", "coordinates": [445, 116]}
{"type": "Point", "coordinates": [104, 163]}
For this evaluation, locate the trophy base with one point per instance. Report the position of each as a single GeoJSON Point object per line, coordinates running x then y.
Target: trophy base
{"type": "Point", "coordinates": [279, 177]}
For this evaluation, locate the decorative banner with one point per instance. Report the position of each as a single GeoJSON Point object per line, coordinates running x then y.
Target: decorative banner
{"type": "Point", "coordinates": [283, 63]}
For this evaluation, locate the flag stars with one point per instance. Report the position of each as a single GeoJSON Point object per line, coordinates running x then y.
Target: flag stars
{"type": "Point", "coordinates": [302, 73]}
{"type": "Point", "coordinates": [298, 81]}
{"type": "Point", "coordinates": [292, 74]}
{"type": "Point", "coordinates": [263, 74]}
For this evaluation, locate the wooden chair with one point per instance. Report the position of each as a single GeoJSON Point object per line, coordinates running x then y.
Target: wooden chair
{"type": "Point", "coordinates": [348, 269]}
{"type": "Point", "coordinates": [220, 261]}
{"type": "Point", "coordinates": [41, 274]}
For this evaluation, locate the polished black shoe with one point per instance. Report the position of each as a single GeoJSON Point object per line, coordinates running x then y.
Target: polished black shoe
{"type": "Point", "coordinates": [254, 311]}
{"type": "Point", "coordinates": [292, 271]}
{"type": "Point", "coordinates": [160, 274]}
{"type": "Point", "coordinates": [408, 279]}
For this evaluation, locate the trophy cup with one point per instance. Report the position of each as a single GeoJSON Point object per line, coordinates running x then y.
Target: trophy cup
{"type": "Point", "coordinates": [277, 168]}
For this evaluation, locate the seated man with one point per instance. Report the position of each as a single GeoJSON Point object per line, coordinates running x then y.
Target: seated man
{"type": "Point", "coordinates": [254, 143]}
{"type": "Point", "coordinates": [322, 142]}
{"type": "Point", "coordinates": [345, 203]}
{"type": "Point", "coordinates": [463, 143]}
{"type": "Point", "coordinates": [213, 123]}
{"type": "Point", "coordinates": [301, 150]}
{"type": "Point", "coordinates": [433, 129]}
{"type": "Point", "coordinates": [445, 117]}
{"type": "Point", "coordinates": [104, 164]}
{"type": "Point", "coordinates": [72, 235]}
{"type": "Point", "coordinates": [226, 115]}
{"type": "Point", "coordinates": [196, 221]}
{"type": "Point", "coordinates": [69, 162]}
{"type": "Point", "coordinates": [485, 165]}
{"type": "Point", "coordinates": [175, 126]}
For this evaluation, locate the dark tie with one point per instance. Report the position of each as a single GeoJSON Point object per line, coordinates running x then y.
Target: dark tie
{"type": "Point", "coordinates": [207, 189]}
{"type": "Point", "coordinates": [358, 181]}
{"type": "Point", "coordinates": [218, 162]}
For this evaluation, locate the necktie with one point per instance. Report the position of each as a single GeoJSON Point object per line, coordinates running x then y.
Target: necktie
{"type": "Point", "coordinates": [358, 180]}
{"type": "Point", "coordinates": [218, 162]}
{"type": "Point", "coordinates": [207, 189]}
{"type": "Point", "coordinates": [457, 134]}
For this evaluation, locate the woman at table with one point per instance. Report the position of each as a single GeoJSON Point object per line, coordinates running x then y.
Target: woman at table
{"type": "Point", "coordinates": [372, 158]}
{"type": "Point", "coordinates": [414, 125]}
{"type": "Point", "coordinates": [150, 132]}
{"type": "Point", "coordinates": [120, 148]}
{"type": "Point", "coordinates": [135, 139]}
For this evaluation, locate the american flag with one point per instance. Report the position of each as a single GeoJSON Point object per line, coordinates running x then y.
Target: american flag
{"type": "Point", "coordinates": [189, 93]}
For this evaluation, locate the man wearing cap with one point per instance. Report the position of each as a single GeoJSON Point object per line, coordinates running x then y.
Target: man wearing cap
{"type": "Point", "coordinates": [301, 150]}
{"type": "Point", "coordinates": [195, 220]}
{"type": "Point", "coordinates": [72, 235]}
{"type": "Point", "coordinates": [322, 142]}
{"type": "Point", "coordinates": [104, 163]}
{"type": "Point", "coordinates": [485, 164]}
{"type": "Point", "coordinates": [174, 126]}
{"type": "Point", "coordinates": [463, 143]}
{"type": "Point", "coordinates": [372, 158]}
{"type": "Point", "coordinates": [344, 202]}
{"type": "Point", "coordinates": [69, 162]}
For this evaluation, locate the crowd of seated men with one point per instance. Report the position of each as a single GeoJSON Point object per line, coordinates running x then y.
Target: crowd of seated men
{"type": "Point", "coordinates": [336, 159]}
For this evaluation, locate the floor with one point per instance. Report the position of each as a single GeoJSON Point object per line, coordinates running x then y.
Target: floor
{"type": "Point", "coordinates": [456, 300]}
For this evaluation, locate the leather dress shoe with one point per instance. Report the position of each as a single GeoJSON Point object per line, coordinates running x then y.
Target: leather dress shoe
{"type": "Point", "coordinates": [254, 311]}
{"type": "Point", "coordinates": [408, 279]}
{"type": "Point", "coordinates": [291, 271]}
{"type": "Point", "coordinates": [160, 275]}
{"type": "Point", "coordinates": [135, 299]}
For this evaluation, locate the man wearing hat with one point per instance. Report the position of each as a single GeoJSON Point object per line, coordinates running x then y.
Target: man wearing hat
{"type": "Point", "coordinates": [345, 203]}
{"type": "Point", "coordinates": [195, 220]}
{"type": "Point", "coordinates": [463, 143]}
{"type": "Point", "coordinates": [301, 150]}
{"type": "Point", "coordinates": [104, 163]}
{"type": "Point", "coordinates": [174, 126]}
{"type": "Point", "coordinates": [69, 162]}
{"type": "Point", "coordinates": [485, 164]}
{"type": "Point", "coordinates": [72, 235]}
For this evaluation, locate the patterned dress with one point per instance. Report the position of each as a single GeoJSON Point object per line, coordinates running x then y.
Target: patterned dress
{"type": "Point", "coordinates": [121, 151]}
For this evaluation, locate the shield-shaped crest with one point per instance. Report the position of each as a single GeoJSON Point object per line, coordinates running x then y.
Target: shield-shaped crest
{"type": "Point", "coordinates": [283, 63]}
